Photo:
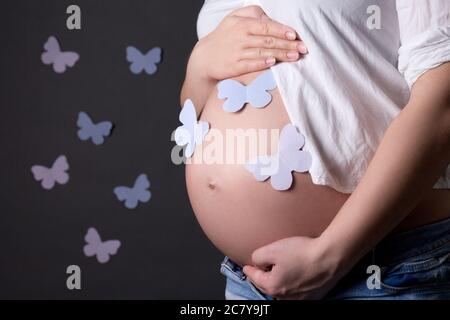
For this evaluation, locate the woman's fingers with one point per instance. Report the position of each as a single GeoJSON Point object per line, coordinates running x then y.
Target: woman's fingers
{"type": "Point", "coordinates": [275, 43]}
{"type": "Point", "coordinates": [252, 65]}
{"type": "Point", "coordinates": [250, 12]}
{"type": "Point", "coordinates": [260, 24]}
{"type": "Point", "coordinates": [279, 55]}
{"type": "Point", "coordinates": [264, 27]}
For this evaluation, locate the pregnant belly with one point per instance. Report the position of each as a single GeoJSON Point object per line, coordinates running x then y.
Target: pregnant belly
{"type": "Point", "coordinates": [238, 213]}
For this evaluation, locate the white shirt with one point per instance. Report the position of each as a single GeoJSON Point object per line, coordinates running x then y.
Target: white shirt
{"type": "Point", "coordinates": [355, 80]}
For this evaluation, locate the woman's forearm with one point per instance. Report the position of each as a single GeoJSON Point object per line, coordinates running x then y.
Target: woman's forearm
{"type": "Point", "coordinates": [413, 153]}
{"type": "Point", "coordinates": [245, 41]}
{"type": "Point", "coordinates": [197, 85]}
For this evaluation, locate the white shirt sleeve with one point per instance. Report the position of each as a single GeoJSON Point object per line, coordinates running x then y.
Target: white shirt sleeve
{"type": "Point", "coordinates": [424, 35]}
{"type": "Point", "coordinates": [212, 13]}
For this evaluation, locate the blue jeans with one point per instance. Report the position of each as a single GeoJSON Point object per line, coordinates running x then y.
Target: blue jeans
{"type": "Point", "coordinates": [412, 265]}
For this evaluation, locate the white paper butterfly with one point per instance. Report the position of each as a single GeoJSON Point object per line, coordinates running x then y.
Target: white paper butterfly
{"type": "Point", "coordinates": [237, 94]}
{"type": "Point", "coordinates": [49, 176]}
{"type": "Point", "coordinates": [59, 59]}
{"type": "Point", "coordinates": [143, 62]}
{"type": "Point", "coordinates": [137, 193]}
{"type": "Point", "coordinates": [192, 132]}
{"type": "Point", "coordinates": [94, 131]}
{"type": "Point", "coordinates": [289, 158]}
{"type": "Point", "coordinates": [96, 247]}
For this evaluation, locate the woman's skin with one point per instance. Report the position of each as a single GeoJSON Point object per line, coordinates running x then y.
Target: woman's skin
{"type": "Point", "coordinates": [238, 213]}
{"type": "Point", "coordinates": [414, 152]}
{"type": "Point", "coordinates": [245, 41]}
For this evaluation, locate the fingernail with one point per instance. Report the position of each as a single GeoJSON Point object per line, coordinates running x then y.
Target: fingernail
{"type": "Point", "coordinates": [302, 49]}
{"type": "Point", "coordinates": [270, 60]}
{"type": "Point", "coordinates": [290, 35]}
{"type": "Point", "coordinates": [292, 55]}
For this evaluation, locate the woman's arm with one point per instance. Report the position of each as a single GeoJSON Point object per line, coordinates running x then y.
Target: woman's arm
{"type": "Point", "coordinates": [245, 41]}
{"type": "Point", "coordinates": [197, 84]}
{"type": "Point", "coordinates": [413, 153]}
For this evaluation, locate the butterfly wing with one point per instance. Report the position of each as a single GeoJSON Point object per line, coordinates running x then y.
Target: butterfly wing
{"type": "Point", "coordinates": [301, 161]}
{"type": "Point", "coordinates": [155, 54]}
{"type": "Point", "coordinates": [52, 50]}
{"type": "Point", "coordinates": [140, 188]}
{"type": "Point", "coordinates": [282, 180]}
{"type": "Point", "coordinates": [126, 194]}
{"type": "Point", "coordinates": [93, 241]}
{"type": "Point", "coordinates": [291, 157]}
{"type": "Point", "coordinates": [44, 175]}
{"type": "Point", "coordinates": [190, 146]}
{"type": "Point", "coordinates": [290, 139]}
{"type": "Point", "coordinates": [88, 129]}
{"type": "Point", "coordinates": [85, 124]}
{"type": "Point", "coordinates": [235, 94]}
{"type": "Point", "coordinates": [101, 130]}
{"type": "Point", "coordinates": [106, 249]}
{"type": "Point", "coordinates": [185, 135]}
{"type": "Point", "coordinates": [258, 167]}
{"type": "Point", "coordinates": [280, 174]}
{"type": "Point", "coordinates": [131, 202]}
{"type": "Point", "coordinates": [69, 58]}
{"type": "Point", "coordinates": [59, 168]}
{"type": "Point", "coordinates": [257, 94]}
{"type": "Point", "coordinates": [188, 115]}
{"type": "Point", "coordinates": [142, 182]}
{"type": "Point", "coordinates": [136, 58]}
{"type": "Point", "coordinates": [182, 136]}
{"type": "Point", "coordinates": [65, 59]}
{"type": "Point", "coordinates": [151, 59]}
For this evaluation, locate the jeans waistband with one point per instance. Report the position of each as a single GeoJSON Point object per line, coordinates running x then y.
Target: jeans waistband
{"type": "Point", "coordinates": [391, 250]}
{"type": "Point", "coordinates": [232, 267]}
{"type": "Point", "coordinates": [414, 242]}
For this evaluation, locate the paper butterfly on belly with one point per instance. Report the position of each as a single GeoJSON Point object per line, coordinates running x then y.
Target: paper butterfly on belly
{"type": "Point", "coordinates": [192, 132]}
{"type": "Point", "coordinates": [96, 247]}
{"type": "Point", "coordinates": [49, 176]}
{"type": "Point", "coordinates": [237, 94]}
{"type": "Point", "coordinates": [59, 59]}
{"type": "Point", "coordinates": [289, 158]}
{"type": "Point", "coordinates": [89, 130]}
{"type": "Point", "coordinates": [146, 62]}
{"type": "Point", "coordinates": [132, 196]}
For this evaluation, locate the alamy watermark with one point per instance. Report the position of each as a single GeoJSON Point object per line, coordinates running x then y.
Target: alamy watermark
{"type": "Point", "coordinates": [73, 281]}
{"type": "Point", "coordinates": [374, 20]}
{"type": "Point", "coordinates": [229, 146]}
{"type": "Point", "coordinates": [374, 280]}
{"type": "Point", "coordinates": [73, 22]}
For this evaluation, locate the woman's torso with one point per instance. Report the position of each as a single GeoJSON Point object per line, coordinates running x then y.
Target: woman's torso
{"type": "Point", "coordinates": [342, 107]}
{"type": "Point", "coordinates": [237, 212]}
{"type": "Point", "coordinates": [343, 95]}
{"type": "Point", "coordinates": [240, 214]}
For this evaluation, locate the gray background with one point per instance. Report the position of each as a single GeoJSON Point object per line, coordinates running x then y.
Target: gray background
{"type": "Point", "coordinates": [164, 253]}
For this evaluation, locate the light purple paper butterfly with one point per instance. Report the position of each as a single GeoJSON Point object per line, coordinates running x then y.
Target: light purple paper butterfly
{"type": "Point", "coordinates": [237, 94]}
{"type": "Point", "coordinates": [289, 158]}
{"type": "Point", "coordinates": [192, 132]}
{"type": "Point", "coordinates": [49, 176]}
{"type": "Point", "coordinates": [59, 59]}
{"type": "Point", "coordinates": [89, 130]}
{"type": "Point", "coordinates": [143, 62]}
{"type": "Point", "coordinates": [96, 247]}
{"type": "Point", "coordinates": [132, 196]}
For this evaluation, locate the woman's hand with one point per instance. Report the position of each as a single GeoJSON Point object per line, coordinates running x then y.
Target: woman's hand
{"type": "Point", "coordinates": [295, 268]}
{"type": "Point", "coordinates": [415, 150]}
{"type": "Point", "coordinates": [246, 40]}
